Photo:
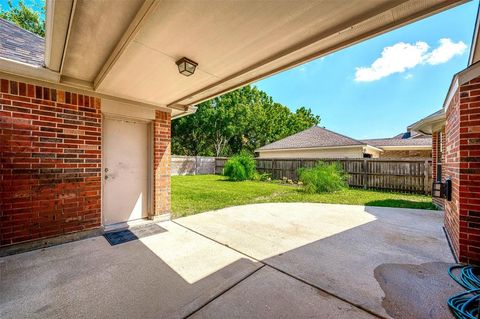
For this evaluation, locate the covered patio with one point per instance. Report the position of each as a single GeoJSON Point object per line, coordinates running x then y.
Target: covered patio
{"type": "Point", "coordinates": [267, 260]}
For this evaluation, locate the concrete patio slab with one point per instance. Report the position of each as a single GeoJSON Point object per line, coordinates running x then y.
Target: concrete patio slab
{"type": "Point", "coordinates": [349, 251]}
{"type": "Point", "coordinates": [168, 275]}
{"type": "Point", "coordinates": [269, 293]}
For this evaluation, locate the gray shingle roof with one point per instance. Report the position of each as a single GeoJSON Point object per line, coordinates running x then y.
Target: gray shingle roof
{"type": "Point", "coordinates": [379, 142]}
{"type": "Point", "coordinates": [21, 45]}
{"type": "Point", "coordinates": [312, 138]}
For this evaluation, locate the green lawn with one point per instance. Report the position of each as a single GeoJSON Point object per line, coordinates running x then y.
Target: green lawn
{"type": "Point", "coordinates": [200, 193]}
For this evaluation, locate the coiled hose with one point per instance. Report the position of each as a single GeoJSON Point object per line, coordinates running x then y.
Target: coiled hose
{"type": "Point", "coordinates": [466, 305]}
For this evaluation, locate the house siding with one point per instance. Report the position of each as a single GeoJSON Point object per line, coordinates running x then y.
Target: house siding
{"type": "Point", "coordinates": [343, 152]}
{"type": "Point", "coordinates": [50, 162]}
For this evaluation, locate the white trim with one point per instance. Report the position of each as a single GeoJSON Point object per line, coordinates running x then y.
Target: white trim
{"type": "Point", "coordinates": [49, 13]}
{"type": "Point", "coordinates": [378, 149]}
{"type": "Point", "coordinates": [475, 38]}
{"type": "Point", "coordinates": [451, 92]}
{"type": "Point", "coordinates": [28, 70]}
{"type": "Point", "coordinates": [191, 110]}
{"type": "Point", "coordinates": [407, 147]}
{"type": "Point", "coordinates": [309, 148]}
{"type": "Point", "coordinates": [462, 77]}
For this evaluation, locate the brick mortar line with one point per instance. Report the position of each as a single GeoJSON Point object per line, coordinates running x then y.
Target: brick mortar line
{"type": "Point", "coordinates": [277, 269]}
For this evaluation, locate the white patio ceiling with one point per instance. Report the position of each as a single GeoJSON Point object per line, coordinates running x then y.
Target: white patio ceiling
{"type": "Point", "coordinates": [128, 48]}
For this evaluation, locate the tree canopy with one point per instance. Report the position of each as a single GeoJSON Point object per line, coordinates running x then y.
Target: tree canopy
{"type": "Point", "coordinates": [28, 17]}
{"type": "Point", "coordinates": [242, 120]}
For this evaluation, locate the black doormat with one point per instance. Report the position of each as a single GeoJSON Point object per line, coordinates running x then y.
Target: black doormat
{"type": "Point", "coordinates": [134, 233]}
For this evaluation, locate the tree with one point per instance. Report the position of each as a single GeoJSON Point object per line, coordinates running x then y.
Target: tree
{"type": "Point", "coordinates": [242, 120]}
{"type": "Point", "coordinates": [30, 18]}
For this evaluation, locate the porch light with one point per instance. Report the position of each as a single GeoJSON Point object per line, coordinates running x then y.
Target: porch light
{"type": "Point", "coordinates": [186, 67]}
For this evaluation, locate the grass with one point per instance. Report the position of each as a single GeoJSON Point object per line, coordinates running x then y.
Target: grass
{"type": "Point", "coordinates": [199, 193]}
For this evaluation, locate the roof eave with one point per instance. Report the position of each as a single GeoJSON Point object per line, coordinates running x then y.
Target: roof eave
{"type": "Point", "coordinates": [429, 125]}
{"type": "Point", "coordinates": [475, 47]}
{"type": "Point", "coordinates": [36, 72]}
{"type": "Point", "coordinates": [406, 147]}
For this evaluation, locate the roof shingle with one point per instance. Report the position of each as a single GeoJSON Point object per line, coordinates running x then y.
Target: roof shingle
{"type": "Point", "coordinates": [21, 45]}
{"type": "Point", "coordinates": [312, 138]}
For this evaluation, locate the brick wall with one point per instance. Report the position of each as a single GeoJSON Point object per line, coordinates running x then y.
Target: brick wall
{"type": "Point", "coordinates": [406, 154]}
{"type": "Point", "coordinates": [462, 165]}
{"type": "Point", "coordinates": [50, 162]}
{"type": "Point", "coordinates": [161, 163]}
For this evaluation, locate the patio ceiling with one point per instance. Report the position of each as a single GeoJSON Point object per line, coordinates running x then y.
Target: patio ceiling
{"type": "Point", "coordinates": [128, 48]}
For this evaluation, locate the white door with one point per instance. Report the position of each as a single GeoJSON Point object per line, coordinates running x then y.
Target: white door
{"type": "Point", "coordinates": [125, 149]}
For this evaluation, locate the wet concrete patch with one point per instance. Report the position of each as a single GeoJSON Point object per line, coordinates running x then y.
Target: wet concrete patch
{"type": "Point", "coordinates": [416, 291]}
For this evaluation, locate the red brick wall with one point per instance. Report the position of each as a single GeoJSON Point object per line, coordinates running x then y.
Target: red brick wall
{"type": "Point", "coordinates": [50, 162]}
{"type": "Point", "coordinates": [462, 165]}
{"type": "Point", "coordinates": [161, 163]}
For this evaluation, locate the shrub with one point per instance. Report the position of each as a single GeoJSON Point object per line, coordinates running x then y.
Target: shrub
{"type": "Point", "coordinates": [323, 178]}
{"type": "Point", "coordinates": [240, 167]}
{"type": "Point", "coordinates": [262, 177]}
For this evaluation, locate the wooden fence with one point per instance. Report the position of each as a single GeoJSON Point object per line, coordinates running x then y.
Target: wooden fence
{"type": "Point", "coordinates": [404, 175]}
{"type": "Point", "coordinates": [192, 165]}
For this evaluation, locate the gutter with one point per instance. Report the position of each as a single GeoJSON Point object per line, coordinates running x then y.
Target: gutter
{"type": "Point", "coordinates": [190, 110]}
{"type": "Point", "coordinates": [310, 148]}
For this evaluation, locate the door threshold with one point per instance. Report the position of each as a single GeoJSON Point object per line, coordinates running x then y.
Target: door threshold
{"type": "Point", "coordinates": [127, 225]}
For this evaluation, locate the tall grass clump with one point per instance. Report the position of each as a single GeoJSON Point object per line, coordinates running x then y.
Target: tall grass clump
{"type": "Point", "coordinates": [323, 178]}
{"type": "Point", "coordinates": [240, 167]}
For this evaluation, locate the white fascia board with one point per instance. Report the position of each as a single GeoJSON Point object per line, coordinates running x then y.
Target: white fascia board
{"type": "Point", "coordinates": [308, 148]}
{"type": "Point", "coordinates": [407, 147]}
{"type": "Point", "coordinates": [28, 70]}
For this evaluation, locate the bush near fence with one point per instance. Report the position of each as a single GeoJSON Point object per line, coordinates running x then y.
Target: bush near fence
{"type": "Point", "coordinates": [404, 175]}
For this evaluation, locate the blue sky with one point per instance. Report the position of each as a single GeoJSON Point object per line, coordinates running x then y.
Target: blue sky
{"type": "Point", "coordinates": [378, 101]}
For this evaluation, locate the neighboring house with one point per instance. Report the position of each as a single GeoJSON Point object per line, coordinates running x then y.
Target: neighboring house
{"type": "Point", "coordinates": [434, 125]}
{"type": "Point", "coordinates": [85, 114]}
{"type": "Point", "coordinates": [403, 146]}
{"type": "Point", "coordinates": [318, 142]}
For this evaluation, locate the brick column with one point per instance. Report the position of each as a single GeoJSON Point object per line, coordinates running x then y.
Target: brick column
{"type": "Point", "coordinates": [161, 165]}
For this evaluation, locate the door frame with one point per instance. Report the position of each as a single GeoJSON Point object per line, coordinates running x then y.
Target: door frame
{"type": "Point", "coordinates": [150, 179]}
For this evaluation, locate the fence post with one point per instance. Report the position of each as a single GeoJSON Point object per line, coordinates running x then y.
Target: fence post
{"type": "Point", "coordinates": [425, 177]}
{"type": "Point", "coordinates": [364, 168]}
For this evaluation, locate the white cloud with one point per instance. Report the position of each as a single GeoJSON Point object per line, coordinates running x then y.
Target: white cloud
{"type": "Point", "coordinates": [445, 51]}
{"type": "Point", "coordinates": [403, 56]}
{"type": "Point", "coordinates": [394, 59]}
{"type": "Point", "coordinates": [408, 76]}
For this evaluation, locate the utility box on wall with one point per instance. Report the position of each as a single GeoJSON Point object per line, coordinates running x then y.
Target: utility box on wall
{"type": "Point", "coordinates": [442, 189]}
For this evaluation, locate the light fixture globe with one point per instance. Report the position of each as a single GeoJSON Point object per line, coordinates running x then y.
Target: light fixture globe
{"type": "Point", "coordinates": [186, 66]}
